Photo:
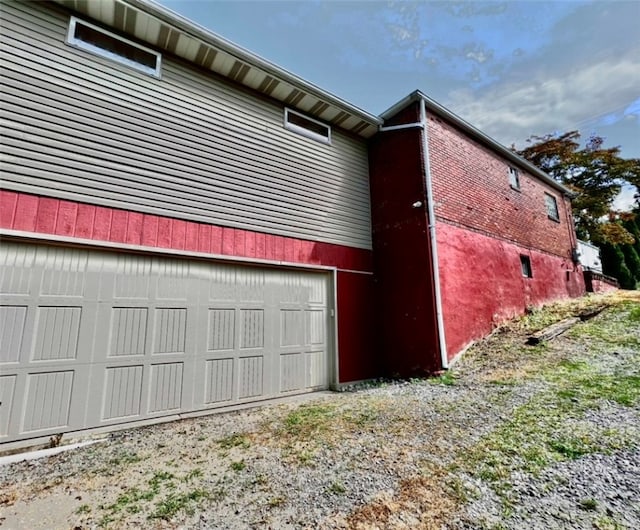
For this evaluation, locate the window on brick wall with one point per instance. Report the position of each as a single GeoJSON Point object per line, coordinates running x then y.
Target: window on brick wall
{"type": "Point", "coordinates": [514, 178]}
{"type": "Point", "coordinates": [552, 207]}
{"type": "Point", "coordinates": [525, 264]}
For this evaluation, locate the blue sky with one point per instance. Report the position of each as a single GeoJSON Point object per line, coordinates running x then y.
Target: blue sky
{"type": "Point", "coordinates": [512, 69]}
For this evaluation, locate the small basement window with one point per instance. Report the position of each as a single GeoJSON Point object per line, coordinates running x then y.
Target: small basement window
{"type": "Point", "coordinates": [552, 207]}
{"type": "Point", "coordinates": [525, 263]}
{"type": "Point", "coordinates": [514, 178]}
{"type": "Point", "coordinates": [314, 129]}
{"type": "Point", "coordinates": [101, 42]}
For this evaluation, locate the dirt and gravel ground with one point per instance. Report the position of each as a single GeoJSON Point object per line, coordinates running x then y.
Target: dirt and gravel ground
{"type": "Point", "coordinates": [514, 437]}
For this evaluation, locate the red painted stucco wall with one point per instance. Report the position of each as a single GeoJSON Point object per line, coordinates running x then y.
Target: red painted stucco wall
{"type": "Point", "coordinates": [482, 283]}
{"type": "Point", "coordinates": [34, 214]}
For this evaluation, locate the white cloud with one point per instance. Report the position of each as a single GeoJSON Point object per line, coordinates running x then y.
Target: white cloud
{"type": "Point", "coordinates": [512, 111]}
{"type": "Point", "coordinates": [625, 200]}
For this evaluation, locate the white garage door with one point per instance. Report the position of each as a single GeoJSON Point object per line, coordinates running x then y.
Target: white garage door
{"type": "Point", "coordinates": [91, 338]}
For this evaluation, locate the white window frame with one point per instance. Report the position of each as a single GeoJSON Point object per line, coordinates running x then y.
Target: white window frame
{"type": "Point", "coordinates": [306, 132]}
{"type": "Point", "coordinates": [514, 178]}
{"type": "Point", "coordinates": [101, 52]}
{"type": "Point", "coordinates": [555, 217]}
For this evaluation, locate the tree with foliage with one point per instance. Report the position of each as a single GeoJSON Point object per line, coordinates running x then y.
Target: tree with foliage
{"type": "Point", "coordinates": [596, 175]}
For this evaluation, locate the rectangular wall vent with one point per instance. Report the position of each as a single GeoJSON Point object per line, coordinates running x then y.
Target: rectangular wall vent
{"type": "Point", "coordinates": [104, 43]}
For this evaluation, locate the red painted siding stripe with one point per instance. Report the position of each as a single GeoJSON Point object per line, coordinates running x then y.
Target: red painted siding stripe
{"type": "Point", "coordinates": [30, 213]}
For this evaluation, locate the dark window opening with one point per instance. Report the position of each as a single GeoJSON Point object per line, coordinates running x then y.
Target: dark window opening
{"type": "Point", "coordinates": [514, 178]}
{"type": "Point", "coordinates": [106, 44]}
{"type": "Point", "coordinates": [525, 263]}
{"type": "Point", "coordinates": [307, 126]}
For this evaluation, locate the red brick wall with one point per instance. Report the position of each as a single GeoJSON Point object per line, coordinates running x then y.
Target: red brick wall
{"type": "Point", "coordinates": [471, 189]}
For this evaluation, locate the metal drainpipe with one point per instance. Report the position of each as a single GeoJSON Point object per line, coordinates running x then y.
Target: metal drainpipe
{"type": "Point", "coordinates": [432, 234]}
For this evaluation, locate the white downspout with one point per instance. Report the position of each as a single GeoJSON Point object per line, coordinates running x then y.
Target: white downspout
{"type": "Point", "coordinates": [432, 234]}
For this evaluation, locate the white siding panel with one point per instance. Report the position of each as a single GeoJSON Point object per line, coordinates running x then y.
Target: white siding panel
{"type": "Point", "coordinates": [188, 145]}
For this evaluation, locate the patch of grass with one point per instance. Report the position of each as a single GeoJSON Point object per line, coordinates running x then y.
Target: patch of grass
{"type": "Point", "coordinates": [604, 522]}
{"type": "Point", "coordinates": [174, 503]}
{"type": "Point", "coordinates": [337, 488]}
{"type": "Point", "coordinates": [589, 504]}
{"type": "Point", "coordinates": [161, 476]}
{"type": "Point", "coordinates": [634, 314]}
{"type": "Point", "coordinates": [234, 440]}
{"type": "Point", "coordinates": [447, 379]}
{"type": "Point", "coordinates": [124, 458]}
{"type": "Point", "coordinates": [274, 502]}
{"type": "Point", "coordinates": [83, 508]}
{"type": "Point", "coordinates": [193, 474]}
{"type": "Point", "coordinates": [238, 466]}
{"type": "Point", "coordinates": [307, 420]}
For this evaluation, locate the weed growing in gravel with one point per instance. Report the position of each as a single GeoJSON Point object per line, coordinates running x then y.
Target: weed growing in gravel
{"type": "Point", "coordinates": [124, 458]}
{"type": "Point", "coordinates": [192, 475]}
{"type": "Point", "coordinates": [174, 503]}
{"type": "Point", "coordinates": [447, 379]}
{"type": "Point", "coordinates": [234, 440]}
{"type": "Point", "coordinates": [604, 522]}
{"type": "Point", "coordinates": [83, 508]}
{"type": "Point", "coordinates": [274, 502]}
{"type": "Point", "coordinates": [337, 488]}
{"type": "Point", "coordinates": [307, 420]}
{"type": "Point", "coordinates": [589, 504]}
{"type": "Point", "coordinates": [238, 466]}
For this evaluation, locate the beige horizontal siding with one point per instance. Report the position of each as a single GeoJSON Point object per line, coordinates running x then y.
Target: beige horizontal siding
{"type": "Point", "coordinates": [189, 145]}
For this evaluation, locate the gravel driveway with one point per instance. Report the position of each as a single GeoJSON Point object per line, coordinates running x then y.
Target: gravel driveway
{"type": "Point", "coordinates": [544, 437]}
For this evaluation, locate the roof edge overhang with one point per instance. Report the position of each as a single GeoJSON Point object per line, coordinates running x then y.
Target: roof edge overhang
{"type": "Point", "coordinates": [476, 134]}
{"type": "Point", "coordinates": [231, 61]}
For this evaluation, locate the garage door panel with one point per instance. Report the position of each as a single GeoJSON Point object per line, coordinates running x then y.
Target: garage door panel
{"type": "Point", "coordinates": [221, 330]}
{"type": "Point", "coordinates": [128, 331]}
{"type": "Point", "coordinates": [315, 327]}
{"type": "Point", "coordinates": [251, 372]}
{"type": "Point", "coordinates": [165, 389]}
{"type": "Point", "coordinates": [131, 275]}
{"type": "Point", "coordinates": [94, 338]}
{"type": "Point", "coordinates": [7, 394]}
{"type": "Point", "coordinates": [48, 400]}
{"type": "Point", "coordinates": [12, 325]}
{"type": "Point", "coordinates": [122, 395]}
{"type": "Point", "coordinates": [17, 269]}
{"type": "Point", "coordinates": [316, 369]}
{"type": "Point", "coordinates": [292, 371]}
{"type": "Point", "coordinates": [170, 330]}
{"type": "Point", "coordinates": [219, 382]}
{"type": "Point", "coordinates": [251, 329]}
{"type": "Point", "coordinates": [57, 333]}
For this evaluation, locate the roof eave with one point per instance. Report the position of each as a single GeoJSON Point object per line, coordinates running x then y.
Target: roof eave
{"type": "Point", "coordinates": [200, 32]}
